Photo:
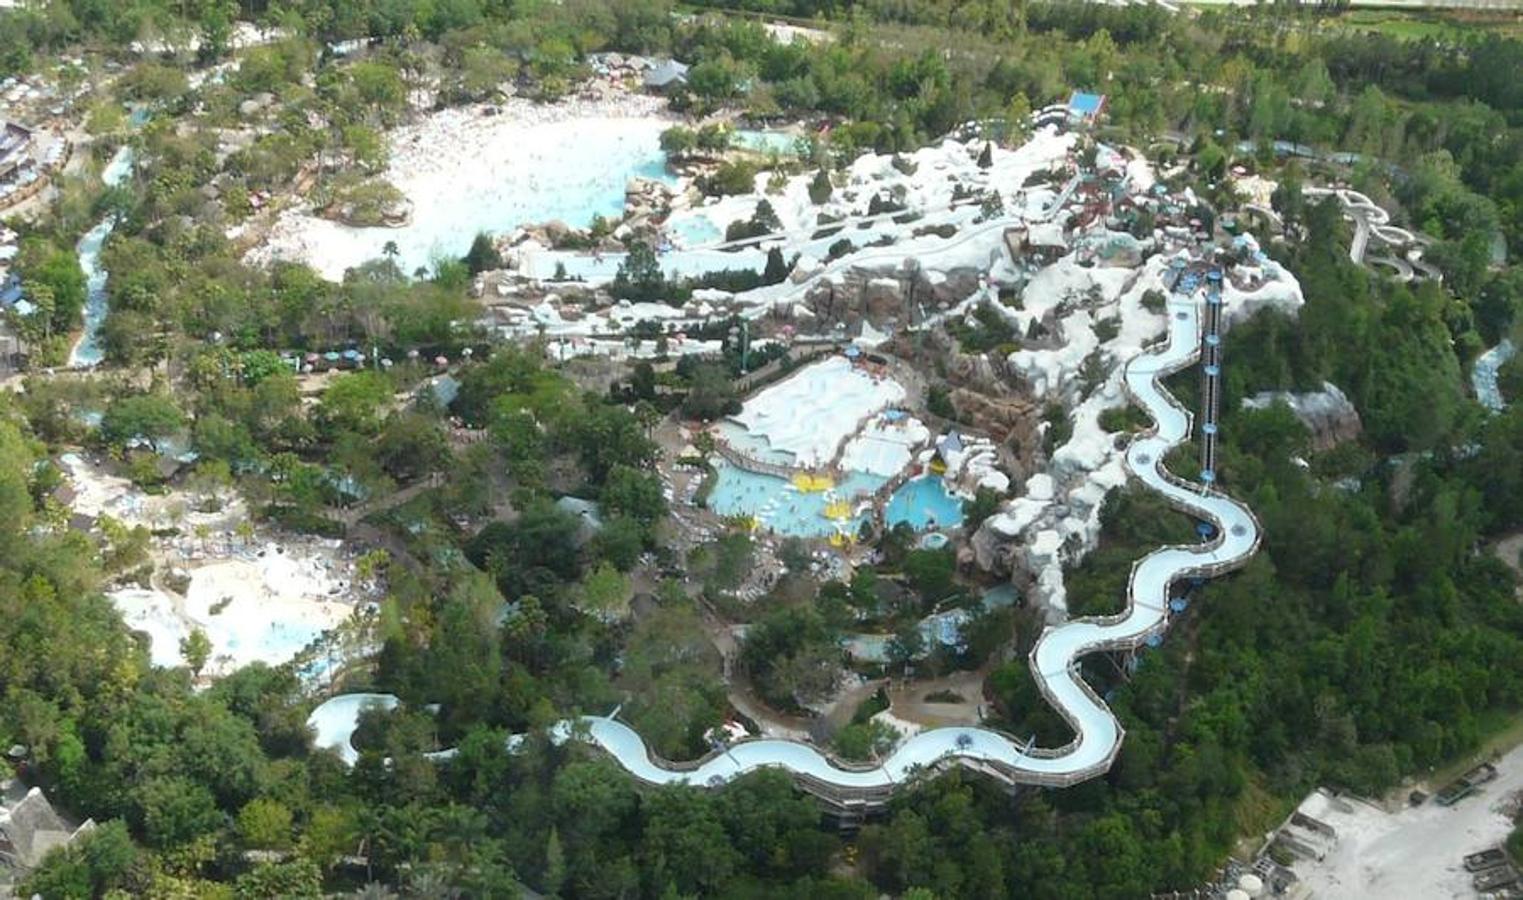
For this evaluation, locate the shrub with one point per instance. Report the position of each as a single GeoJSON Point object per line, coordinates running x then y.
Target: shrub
{"type": "Point", "coordinates": [820, 188]}
{"type": "Point", "coordinates": [735, 177]}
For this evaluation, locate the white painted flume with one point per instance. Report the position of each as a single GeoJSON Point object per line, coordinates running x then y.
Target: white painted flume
{"type": "Point", "coordinates": [1054, 659]}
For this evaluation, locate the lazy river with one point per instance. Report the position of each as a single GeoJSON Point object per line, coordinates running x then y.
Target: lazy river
{"type": "Point", "coordinates": [1054, 659]}
{"type": "Point", "coordinates": [87, 351]}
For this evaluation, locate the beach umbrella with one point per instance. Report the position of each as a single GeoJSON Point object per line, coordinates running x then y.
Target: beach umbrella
{"type": "Point", "coordinates": [413, 353]}
{"type": "Point", "coordinates": [441, 361]}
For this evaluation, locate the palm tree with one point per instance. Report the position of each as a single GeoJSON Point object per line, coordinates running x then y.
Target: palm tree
{"type": "Point", "coordinates": [430, 883]}
{"type": "Point", "coordinates": [390, 249]}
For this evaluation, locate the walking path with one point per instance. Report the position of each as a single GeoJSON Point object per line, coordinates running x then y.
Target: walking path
{"type": "Point", "coordinates": [1054, 659]}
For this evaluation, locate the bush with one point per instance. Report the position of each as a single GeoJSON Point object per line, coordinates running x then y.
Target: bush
{"type": "Point", "coordinates": [1060, 427]}
{"type": "Point", "coordinates": [881, 203]}
{"type": "Point", "coordinates": [941, 231]}
{"type": "Point", "coordinates": [939, 403]}
{"type": "Point", "coordinates": [865, 741]}
{"type": "Point", "coordinates": [302, 521]}
{"type": "Point", "coordinates": [989, 331]}
{"type": "Point", "coordinates": [483, 255]}
{"type": "Point", "coordinates": [1107, 329]}
{"type": "Point", "coordinates": [735, 177]}
{"type": "Point", "coordinates": [1123, 418]}
{"type": "Point", "coordinates": [763, 221]}
{"type": "Point", "coordinates": [820, 188]}
{"type": "Point", "coordinates": [732, 280]}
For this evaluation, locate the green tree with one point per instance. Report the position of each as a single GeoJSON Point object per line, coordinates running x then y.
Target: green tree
{"type": "Point", "coordinates": [639, 276]}
{"type": "Point", "coordinates": [776, 270]}
{"type": "Point", "coordinates": [97, 863]}
{"type": "Point", "coordinates": [265, 824]}
{"type": "Point", "coordinates": [354, 402]}
{"type": "Point", "coordinates": [147, 417]}
{"type": "Point", "coordinates": [174, 810]}
{"type": "Point", "coordinates": [820, 188]}
{"type": "Point", "coordinates": [604, 592]}
{"type": "Point", "coordinates": [196, 648]}
{"type": "Point", "coordinates": [483, 254]}
{"type": "Point", "coordinates": [634, 493]}
{"type": "Point", "coordinates": [297, 878]}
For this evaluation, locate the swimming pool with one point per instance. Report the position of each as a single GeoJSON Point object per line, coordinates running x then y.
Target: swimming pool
{"type": "Point", "coordinates": [781, 507]}
{"type": "Point", "coordinates": [924, 503]}
{"type": "Point", "coordinates": [783, 143]}
{"type": "Point", "coordinates": [568, 170]}
{"type": "Point", "coordinates": [692, 229]}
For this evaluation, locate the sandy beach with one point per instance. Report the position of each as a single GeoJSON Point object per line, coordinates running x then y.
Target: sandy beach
{"type": "Point", "coordinates": [468, 169]}
{"type": "Point", "coordinates": [264, 606]}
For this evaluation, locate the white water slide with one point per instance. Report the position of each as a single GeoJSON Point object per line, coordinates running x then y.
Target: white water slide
{"type": "Point", "coordinates": [1054, 659]}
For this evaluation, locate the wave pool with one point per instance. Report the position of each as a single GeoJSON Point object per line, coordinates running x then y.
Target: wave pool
{"type": "Point", "coordinates": [782, 508]}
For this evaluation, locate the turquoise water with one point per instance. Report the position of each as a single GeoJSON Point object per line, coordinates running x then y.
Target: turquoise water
{"type": "Point", "coordinates": [692, 230]}
{"type": "Point", "coordinates": [1000, 596]}
{"type": "Point", "coordinates": [781, 507]}
{"type": "Point", "coordinates": [89, 351]}
{"type": "Point", "coordinates": [568, 171]}
{"type": "Point", "coordinates": [780, 142]}
{"type": "Point", "coordinates": [924, 503]}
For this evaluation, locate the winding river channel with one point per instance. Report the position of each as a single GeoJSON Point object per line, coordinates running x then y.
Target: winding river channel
{"type": "Point", "coordinates": [87, 351]}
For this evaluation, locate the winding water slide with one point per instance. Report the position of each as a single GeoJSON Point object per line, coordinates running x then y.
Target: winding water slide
{"type": "Point", "coordinates": [1372, 221]}
{"type": "Point", "coordinates": [1054, 659]}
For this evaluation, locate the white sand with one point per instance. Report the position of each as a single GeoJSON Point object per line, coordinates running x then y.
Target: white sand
{"type": "Point", "coordinates": [466, 172]}
{"type": "Point", "coordinates": [153, 612]}
{"type": "Point", "coordinates": [812, 411]}
{"type": "Point", "coordinates": [272, 606]}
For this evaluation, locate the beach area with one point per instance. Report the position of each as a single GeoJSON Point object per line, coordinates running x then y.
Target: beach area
{"type": "Point", "coordinates": [489, 168]}
{"type": "Point", "coordinates": [263, 604]}
{"type": "Point", "coordinates": [259, 595]}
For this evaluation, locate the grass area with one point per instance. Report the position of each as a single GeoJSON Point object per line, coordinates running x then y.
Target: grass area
{"type": "Point", "coordinates": [1504, 731]}
{"type": "Point", "coordinates": [1416, 25]}
{"type": "Point", "coordinates": [1411, 24]}
{"type": "Point", "coordinates": [1256, 813]}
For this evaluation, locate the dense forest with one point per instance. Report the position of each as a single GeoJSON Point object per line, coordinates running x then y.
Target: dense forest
{"type": "Point", "coordinates": [1376, 636]}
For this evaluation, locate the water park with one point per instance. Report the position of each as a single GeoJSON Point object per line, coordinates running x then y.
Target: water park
{"type": "Point", "coordinates": [830, 451]}
{"type": "Point", "coordinates": [1230, 535]}
{"type": "Point", "coordinates": [1004, 278]}
{"type": "Point", "coordinates": [844, 446]}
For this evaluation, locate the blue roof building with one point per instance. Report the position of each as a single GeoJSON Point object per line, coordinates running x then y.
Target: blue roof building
{"type": "Point", "coordinates": [10, 291]}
